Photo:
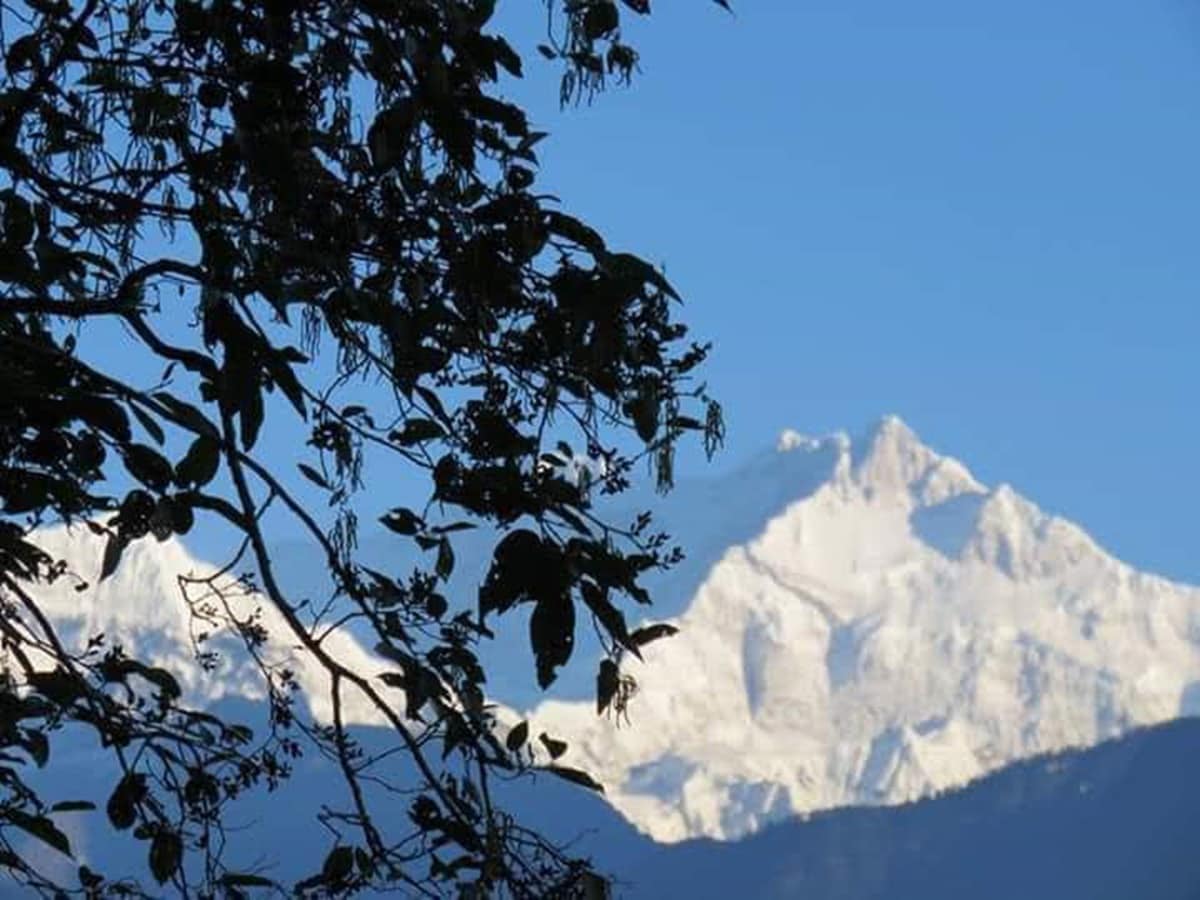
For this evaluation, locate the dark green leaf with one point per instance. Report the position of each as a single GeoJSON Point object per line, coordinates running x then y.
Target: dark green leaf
{"type": "Point", "coordinates": [113, 550]}
{"type": "Point", "coordinates": [552, 635]}
{"type": "Point", "coordinates": [416, 431]}
{"type": "Point", "coordinates": [183, 517]}
{"type": "Point", "coordinates": [18, 216]}
{"type": "Point", "coordinates": [107, 416]}
{"type": "Point", "coordinates": [445, 559]}
{"type": "Point", "coordinates": [338, 864]}
{"type": "Point", "coordinates": [73, 806]}
{"type": "Point", "coordinates": [575, 231]}
{"type": "Point", "coordinates": [251, 414]}
{"type": "Point", "coordinates": [286, 379]}
{"type": "Point", "coordinates": [554, 747]}
{"type": "Point", "coordinates": [122, 804]}
{"type": "Point", "coordinates": [166, 852]}
{"type": "Point", "coordinates": [212, 95]}
{"type": "Point", "coordinates": [608, 680]}
{"type": "Point", "coordinates": [388, 136]}
{"type": "Point", "coordinates": [611, 618]}
{"type": "Point", "coordinates": [644, 411]}
{"type": "Point", "coordinates": [517, 736]}
{"type": "Point", "coordinates": [575, 776]}
{"type": "Point", "coordinates": [188, 415]}
{"type": "Point", "coordinates": [241, 879]}
{"type": "Point", "coordinates": [41, 828]}
{"type": "Point", "coordinates": [22, 53]}
{"type": "Point", "coordinates": [199, 466]}
{"type": "Point", "coordinates": [314, 476]}
{"type": "Point", "coordinates": [402, 521]}
{"type": "Point", "coordinates": [524, 567]}
{"type": "Point", "coordinates": [149, 467]}
{"type": "Point", "coordinates": [392, 679]}
{"type": "Point", "coordinates": [600, 18]}
{"type": "Point", "coordinates": [643, 636]}
{"type": "Point", "coordinates": [149, 423]}
{"type": "Point", "coordinates": [38, 745]}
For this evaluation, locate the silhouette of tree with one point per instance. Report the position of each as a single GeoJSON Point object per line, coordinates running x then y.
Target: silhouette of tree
{"type": "Point", "coordinates": [278, 202]}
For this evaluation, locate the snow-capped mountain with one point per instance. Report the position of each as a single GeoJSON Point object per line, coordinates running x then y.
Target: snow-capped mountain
{"type": "Point", "coordinates": [862, 622]}
{"type": "Point", "coordinates": [891, 628]}
{"type": "Point", "coordinates": [159, 608]}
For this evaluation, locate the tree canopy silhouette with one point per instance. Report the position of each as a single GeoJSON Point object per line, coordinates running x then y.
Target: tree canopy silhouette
{"type": "Point", "coordinates": [279, 202]}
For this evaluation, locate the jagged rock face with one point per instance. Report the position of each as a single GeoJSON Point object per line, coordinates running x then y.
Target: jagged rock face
{"type": "Point", "coordinates": [895, 630]}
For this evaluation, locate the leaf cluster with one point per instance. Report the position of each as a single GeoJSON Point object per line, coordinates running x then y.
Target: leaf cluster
{"type": "Point", "coordinates": [319, 212]}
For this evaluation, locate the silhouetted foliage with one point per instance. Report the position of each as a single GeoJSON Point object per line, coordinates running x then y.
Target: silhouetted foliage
{"type": "Point", "coordinates": [278, 202]}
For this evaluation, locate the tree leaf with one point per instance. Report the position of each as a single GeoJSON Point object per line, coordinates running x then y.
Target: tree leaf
{"type": "Point", "coordinates": [199, 466]}
{"type": "Point", "coordinates": [645, 635]}
{"type": "Point", "coordinates": [608, 680]}
{"type": "Point", "coordinates": [524, 567]}
{"type": "Point", "coordinates": [122, 804]}
{"type": "Point", "coordinates": [148, 422]}
{"type": "Point", "coordinates": [243, 879]}
{"type": "Point", "coordinates": [38, 745]}
{"type": "Point", "coordinates": [402, 521]}
{"type": "Point", "coordinates": [517, 736]}
{"type": "Point", "coordinates": [416, 431]}
{"type": "Point", "coordinates": [314, 476]}
{"type": "Point", "coordinates": [575, 232]}
{"type": "Point", "coordinates": [611, 618]}
{"type": "Point", "coordinates": [600, 18]}
{"type": "Point", "coordinates": [41, 828]}
{"type": "Point", "coordinates": [388, 136]}
{"type": "Point", "coordinates": [166, 852]}
{"type": "Point", "coordinates": [575, 776]}
{"type": "Point", "coordinates": [554, 747]}
{"type": "Point", "coordinates": [552, 635]}
{"type": "Point", "coordinates": [113, 550]}
{"type": "Point", "coordinates": [445, 559]}
{"type": "Point", "coordinates": [149, 467]}
{"type": "Point", "coordinates": [188, 415]}
{"type": "Point", "coordinates": [73, 806]}
{"type": "Point", "coordinates": [250, 420]}
{"type": "Point", "coordinates": [338, 864]}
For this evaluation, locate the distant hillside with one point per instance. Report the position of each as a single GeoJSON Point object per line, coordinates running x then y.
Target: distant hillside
{"type": "Point", "coordinates": [1115, 822]}
{"type": "Point", "coordinates": [1120, 821]}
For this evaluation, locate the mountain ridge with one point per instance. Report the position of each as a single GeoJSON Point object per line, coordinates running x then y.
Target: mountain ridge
{"type": "Point", "coordinates": [863, 622]}
{"type": "Point", "coordinates": [894, 630]}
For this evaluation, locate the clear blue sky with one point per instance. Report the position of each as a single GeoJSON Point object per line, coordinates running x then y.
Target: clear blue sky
{"type": "Point", "coordinates": [981, 216]}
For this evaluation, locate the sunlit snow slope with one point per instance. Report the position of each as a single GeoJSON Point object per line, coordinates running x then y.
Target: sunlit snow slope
{"type": "Point", "coordinates": [862, 622]}
{"type": "Point", "coordinates": [889, 629]}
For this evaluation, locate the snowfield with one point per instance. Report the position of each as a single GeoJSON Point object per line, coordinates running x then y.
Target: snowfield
{"type": "Point", "coordinates": [892, 629]}
{"type": "Point", "coordinates": [862, 623]}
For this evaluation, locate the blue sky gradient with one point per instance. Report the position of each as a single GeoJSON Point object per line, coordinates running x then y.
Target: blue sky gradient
{"type": "Point", "coordinates": [981, 217]}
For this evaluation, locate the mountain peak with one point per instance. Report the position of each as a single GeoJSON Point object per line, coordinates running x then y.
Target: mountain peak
{"type": "Point", "coordinates": [890, 459]}
{"type": "Point", "coordinates": [887, 628]}
{"type": "Point", "coordinates": [891, 427]}
{"type": "Point", "coordinates": [890, 436]}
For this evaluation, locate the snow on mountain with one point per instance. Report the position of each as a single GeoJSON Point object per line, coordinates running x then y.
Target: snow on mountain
{"type": "Point", "coordinates": [863, 622]}
{"type": "Point", "coordinates": [155, 607]}
{"type": "Point", "coordinates": [887, 629]}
